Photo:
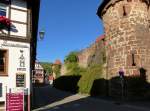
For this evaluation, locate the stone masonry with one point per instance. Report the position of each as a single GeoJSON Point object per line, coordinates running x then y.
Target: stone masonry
{"type": "Point", "coordinates": [127, 35]}
{"type": "Point", "coordinates": [94, 54]}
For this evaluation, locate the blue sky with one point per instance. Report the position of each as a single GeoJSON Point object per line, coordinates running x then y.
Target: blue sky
{"type": "Point", "coordinates": [70, 25]}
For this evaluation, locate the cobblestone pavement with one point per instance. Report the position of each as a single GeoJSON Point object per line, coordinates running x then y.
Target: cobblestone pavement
{"type": "Point", "coordinates": [51, 99]}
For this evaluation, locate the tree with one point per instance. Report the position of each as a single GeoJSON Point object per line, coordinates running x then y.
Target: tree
{"type": "Point", "coordinates": [71, 58]}
{"type": "Point", "coordinates": [47, 67]}
{"type": "Point", "coordinates": [56, 69]}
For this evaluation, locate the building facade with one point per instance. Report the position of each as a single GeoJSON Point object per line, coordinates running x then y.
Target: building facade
{"type": "Point", "coordinates": [18, 33]}
{"type": "Point", "coordinates": [39, 75]}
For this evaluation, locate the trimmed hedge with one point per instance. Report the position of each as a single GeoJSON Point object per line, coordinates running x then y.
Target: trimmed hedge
{"type": "Point", "coordinates": [67, 83]}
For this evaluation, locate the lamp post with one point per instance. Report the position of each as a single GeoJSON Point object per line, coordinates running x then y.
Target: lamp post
{"type": "Point", "coordinates": [41, 34]}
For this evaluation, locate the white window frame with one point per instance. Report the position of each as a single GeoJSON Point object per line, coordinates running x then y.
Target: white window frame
{"type": "Point", "coordinates": [5, 7]}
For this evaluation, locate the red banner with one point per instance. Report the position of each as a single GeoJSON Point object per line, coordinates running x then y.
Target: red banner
{"type": "Point", "coordinates": [14, 102]}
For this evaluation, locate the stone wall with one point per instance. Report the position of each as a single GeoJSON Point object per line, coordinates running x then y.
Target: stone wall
{"type": "Point", "coordinates": [94, 54]}
{"type": "Point", "coordinates": [127, 34]}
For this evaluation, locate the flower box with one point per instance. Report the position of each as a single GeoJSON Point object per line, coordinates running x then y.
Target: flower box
{"type": "Point", "coordinates": [5, 23]}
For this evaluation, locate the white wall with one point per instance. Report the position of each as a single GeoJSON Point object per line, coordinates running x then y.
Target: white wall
{"type": "Point", "coordinates": [18, 15]}
{"type": "Point", "coordinates": [13, 63]}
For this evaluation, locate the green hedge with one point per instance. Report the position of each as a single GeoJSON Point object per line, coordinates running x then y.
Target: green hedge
{"type": "Point", "coordinates": [86, 82]}
{"type": "Point", "coordinates": [67, 83]}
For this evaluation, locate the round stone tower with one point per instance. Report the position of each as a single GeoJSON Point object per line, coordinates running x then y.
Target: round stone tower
{"type": "Point", "coordinates": [127, 32]}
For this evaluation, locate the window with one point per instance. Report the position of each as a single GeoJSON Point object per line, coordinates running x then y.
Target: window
{"type": "Point", "coordinates": [2, 9]}
{"type": "Point", "coordinates": [124, 11]}
{"type": "Point", "coordinates": [133, 60]}
{"type": "Point", "coordinates": [3, 62]}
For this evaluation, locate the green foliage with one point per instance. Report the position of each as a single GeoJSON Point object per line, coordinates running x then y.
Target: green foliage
{"type": "Point", "coordinates": [56, 70]}
{"type": "Point", "coordinates": [47, 67]}
{"type": "Point", "coordinates": [86, 82]}
{"type": "Point", "coordinates": [89, 75]}
{"type": "Point", "coordinates": [74, 69]}
{"type": "Point", "coordinates": [67, 83]}
{"type": "Point", "coordinates": [71, 58]}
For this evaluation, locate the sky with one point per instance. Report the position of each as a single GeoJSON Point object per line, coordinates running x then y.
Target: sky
{"type": "Point", "coordinates": [70, 25]}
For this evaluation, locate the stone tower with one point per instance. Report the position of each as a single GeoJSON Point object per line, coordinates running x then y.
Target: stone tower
{"type": "Point", "coordinates": [127, 32]}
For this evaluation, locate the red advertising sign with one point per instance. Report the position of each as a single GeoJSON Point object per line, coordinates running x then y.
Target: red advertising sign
{"type": "Point", "coordinates": [14, 102]}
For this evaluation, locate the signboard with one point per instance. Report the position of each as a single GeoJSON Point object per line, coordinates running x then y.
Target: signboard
{"type": "Point", "coordinates": [1, 90]}
{"type": "Point", "coordinates": [15, 101]}
{"type": "Point", "coordinates": [21, 62]}
{"type": "Point", "coordinates": [20, 80]}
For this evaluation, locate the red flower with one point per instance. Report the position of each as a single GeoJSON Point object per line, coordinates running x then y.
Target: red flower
{"type": "Point", "coordinates": [4, 22]}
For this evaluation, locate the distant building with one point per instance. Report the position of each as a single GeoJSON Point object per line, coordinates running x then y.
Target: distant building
{"type": "Point", "coordinates": [39, 73]}
{"type": "Point", "coordinates": [56, 65]}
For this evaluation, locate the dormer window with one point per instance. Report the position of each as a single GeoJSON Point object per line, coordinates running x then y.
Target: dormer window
{"type": "Point", "coordinates": [2, 9]}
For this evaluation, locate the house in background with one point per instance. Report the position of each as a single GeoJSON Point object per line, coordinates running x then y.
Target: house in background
{"type": "Point", "coordinates": [39, 73]}
{"type": "Point", "coordinates": [18, 35]}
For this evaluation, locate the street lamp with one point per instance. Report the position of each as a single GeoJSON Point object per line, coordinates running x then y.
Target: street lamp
{"type": "Point", "coordinates": [41, 34]}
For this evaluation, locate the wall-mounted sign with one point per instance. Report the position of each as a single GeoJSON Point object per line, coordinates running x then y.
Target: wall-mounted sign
{"type": "Point", "coordinates": [21, 62]}
{"type": "Point", "coordinates": [20, 80]}
{"type": "Point", "coordinates": [1, 90]}
{"type": "Point", "coordinates": [21, 69]}
{"type": "Point", "coordinates": [15, 101]}
{"type": "Point", "coordinates": [22, 59]}
{"type": "Point", "coordinates": [5, 43]}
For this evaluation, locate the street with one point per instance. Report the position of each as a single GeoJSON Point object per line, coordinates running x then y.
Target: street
{"type": "Point", "coordinates": [51, 99]}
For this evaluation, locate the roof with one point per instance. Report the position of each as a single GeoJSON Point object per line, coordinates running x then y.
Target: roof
{"type": "Point", "coordinates": [58, 62]}
{"type": "Point", "coordinates": [100, 38]}
{"type": "Point", "coordinates": [107, 3]}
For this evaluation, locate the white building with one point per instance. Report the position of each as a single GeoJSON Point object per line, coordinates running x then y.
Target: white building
{"type": "Point", "coordinates": [39, 74]}
{"type": "Point", "coordinates": [18, 44]}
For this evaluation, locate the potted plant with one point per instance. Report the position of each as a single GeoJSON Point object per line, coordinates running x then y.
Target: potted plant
{"type": "Point", "coordinates": [4, 23]}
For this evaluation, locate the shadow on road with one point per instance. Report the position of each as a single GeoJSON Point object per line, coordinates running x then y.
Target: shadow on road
{"type": "Point", "coordinates": [126, 89]}
{"type": "Point", "coordinates": [91, 104]}
{"type": "Point", "coordinates": [46, 95]}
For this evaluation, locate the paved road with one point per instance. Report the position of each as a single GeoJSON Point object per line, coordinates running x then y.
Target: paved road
{"type": "Point", "coordinates": [50, 99]}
